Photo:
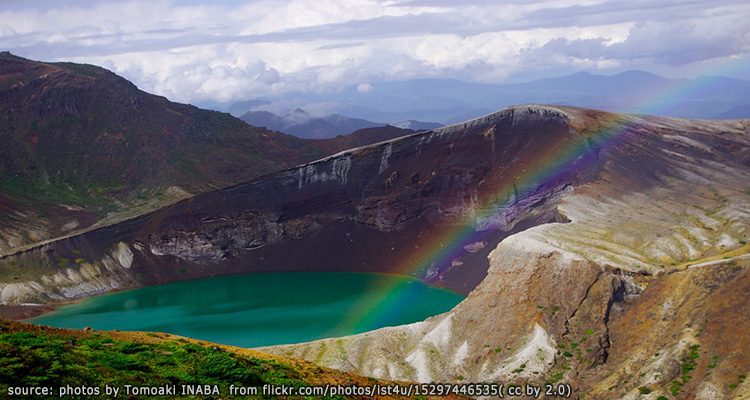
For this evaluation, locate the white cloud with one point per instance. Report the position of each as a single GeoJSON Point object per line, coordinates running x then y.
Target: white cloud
{"type": "Point", "coordinates": [364, 87]}
{"type": "Point", "coordinates": [200, 50]}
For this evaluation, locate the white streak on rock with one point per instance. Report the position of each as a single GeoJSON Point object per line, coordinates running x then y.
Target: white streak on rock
{"type": "Point", "coordinates": [123, 254]}
{"type": "Point", "coordinates": [536, 356]}
{"type": "Point", "coordinates": [418, 360]}
{"type": "Point", "coordinates": [441, 334]}
{"type": "Point", "coordinates": [384, 159]}
{"type": "Point", "coordinates": [341, 167]}
{"type": "Point", "coordinates": [461, 354]}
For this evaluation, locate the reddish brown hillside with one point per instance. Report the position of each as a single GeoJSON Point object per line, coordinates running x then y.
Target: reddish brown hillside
{"type": "Point", "coordinates": [81, 136]}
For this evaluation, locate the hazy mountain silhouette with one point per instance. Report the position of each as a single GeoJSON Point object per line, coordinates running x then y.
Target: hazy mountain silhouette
{"type": "Point", "coordinates": [449, 100]}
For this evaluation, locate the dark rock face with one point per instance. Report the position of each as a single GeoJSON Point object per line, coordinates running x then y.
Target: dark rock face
{"type": "Point", "coordinates": [369, 209]}
{"type": "Point", "coordinates": [381, 208]}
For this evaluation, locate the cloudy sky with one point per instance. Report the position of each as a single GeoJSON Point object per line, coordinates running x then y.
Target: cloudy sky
{"type": "Point", "coordinates": [198, 51]}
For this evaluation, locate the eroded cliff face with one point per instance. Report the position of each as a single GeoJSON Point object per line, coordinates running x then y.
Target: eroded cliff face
{"type": "Point", "coordinates": [371, 209]}
{"type": "Point", "coordinates": [621, 268]}
{"type": "Point", "coordinates": [644, 290]}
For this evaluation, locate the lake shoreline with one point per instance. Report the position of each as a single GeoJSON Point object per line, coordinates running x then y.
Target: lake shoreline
{"type": "Point", "coordinates": [255, 310]}
{"type": "Point", "coordinates": [26, 312]}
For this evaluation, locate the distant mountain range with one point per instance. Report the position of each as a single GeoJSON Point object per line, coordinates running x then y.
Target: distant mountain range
{"type": "Point", "coordinates": [741, 111]}
{"type": "Point", "coordinates": [605, 251]}
{"type": "Point", "coordinates": [81, 146]}
{"type": "Point", "coordinates": [302, 124]}
{"type": "Point", "coordinates": [448, 101]}
{"type": "Point", "coordinates": [362, 137]}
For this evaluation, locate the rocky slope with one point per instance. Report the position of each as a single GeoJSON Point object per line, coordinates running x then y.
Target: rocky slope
{"type": "Point", "coordinates": [372, 205]}
{"type": "Point", "coordinates": [150, 359]}
{"type": "Point", "coordinates": [79, 143]}
{"type": "Point", "coordinates": [604, 250]}
{"type": "Point", "coordinates": [643, 293]}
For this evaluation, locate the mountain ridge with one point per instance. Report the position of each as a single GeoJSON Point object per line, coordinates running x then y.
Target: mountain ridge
{"type": "Point", "coordinates": [304, 125]}
{"type": "Point", "coordinates": [451, 100]}
{"type": "Point", "coordinates": [565, 226]}
{"type": "Point", "coordinates": [279, 205]}
{"type": "Point", "coordinates": [635, 289]}
{"type": "Point", "coordinates": [301, 124]}
{"type": "Point", "coordinates": [82, 147]}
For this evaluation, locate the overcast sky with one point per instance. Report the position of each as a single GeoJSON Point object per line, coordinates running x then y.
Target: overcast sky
{"type": "Point", "coordinates": [197, 51]}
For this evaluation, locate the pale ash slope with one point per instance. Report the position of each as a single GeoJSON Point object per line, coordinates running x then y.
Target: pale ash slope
{"type": "Point", "coordinates": [606, 302]}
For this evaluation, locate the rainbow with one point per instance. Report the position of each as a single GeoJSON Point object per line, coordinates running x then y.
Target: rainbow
{"type": "Point", "coordinates": [545, 168]}
{"type": "Point", "coordinates": [548, 166]}
{"type": "Point", "coordinates": [659, 99]}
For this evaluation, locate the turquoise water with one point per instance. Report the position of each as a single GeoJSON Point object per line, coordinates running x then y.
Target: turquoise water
{"type": "Point", "coordinates": [262, 309]}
